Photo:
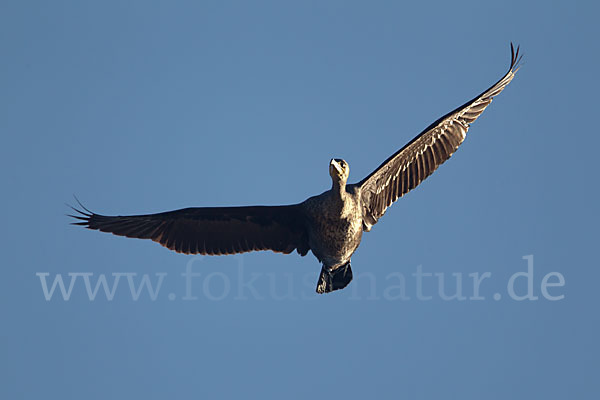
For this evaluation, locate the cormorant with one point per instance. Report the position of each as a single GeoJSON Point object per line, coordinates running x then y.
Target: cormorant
{"type": "Point", "coordinates": [330, 224]}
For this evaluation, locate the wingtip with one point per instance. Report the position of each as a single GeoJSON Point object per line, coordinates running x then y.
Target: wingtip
{"type": "Point", "coordinates": [78, 211]}
{"type": "Point", "coordinates": [80, 224]}
{"type": "Point", "coordinates": [82, 217]}
{"type": "Point", "coordinates": [86, 218]}
{"type": "Point", "coordinates": [81, 205]}
{"type": "Point", "coordinates": [515, 57]}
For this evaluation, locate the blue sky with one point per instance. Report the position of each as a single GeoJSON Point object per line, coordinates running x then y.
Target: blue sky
{"type": "Point", "coordinates": [140, 107]}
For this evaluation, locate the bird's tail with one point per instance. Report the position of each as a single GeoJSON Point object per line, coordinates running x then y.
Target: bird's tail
{"type": "Point", "coordinates": [335, 279]}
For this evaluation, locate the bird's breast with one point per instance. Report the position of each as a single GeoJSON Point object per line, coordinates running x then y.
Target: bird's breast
{"type": "Point", "coordinates": [335, 229]}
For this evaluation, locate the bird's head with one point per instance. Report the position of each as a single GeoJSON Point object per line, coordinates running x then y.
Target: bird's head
{"type": "Point", "coordinates": [339, 170]}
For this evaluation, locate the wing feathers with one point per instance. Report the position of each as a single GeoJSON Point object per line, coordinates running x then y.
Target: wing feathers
{"type": "Point", "coordinates": [408, 167]}
{"type": "Point", "coordinates": [213, 231]}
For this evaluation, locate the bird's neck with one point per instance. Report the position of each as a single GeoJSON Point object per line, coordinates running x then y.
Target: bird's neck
{"type": "Point", "coordinates": [338, 189]}
{"type": "Point", "coordinates": [340, 201]}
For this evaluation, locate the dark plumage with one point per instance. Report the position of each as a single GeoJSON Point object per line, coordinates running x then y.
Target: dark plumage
{"type": "Point", "coordinates": [330, 224]}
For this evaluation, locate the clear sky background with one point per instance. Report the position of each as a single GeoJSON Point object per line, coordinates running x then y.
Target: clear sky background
{"type": "Point", "coordinates": [144, 106]}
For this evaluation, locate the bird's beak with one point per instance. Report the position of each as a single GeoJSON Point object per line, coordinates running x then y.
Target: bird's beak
{"type": "Point", "coordinates": [337, 166]}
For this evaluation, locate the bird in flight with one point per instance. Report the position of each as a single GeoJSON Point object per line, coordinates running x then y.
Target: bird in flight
{"type": "Point", "coordinates": [330, 224]}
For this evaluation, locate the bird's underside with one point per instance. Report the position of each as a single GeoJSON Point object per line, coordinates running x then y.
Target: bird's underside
{"type": "Point", "coordinates": [330, 224]}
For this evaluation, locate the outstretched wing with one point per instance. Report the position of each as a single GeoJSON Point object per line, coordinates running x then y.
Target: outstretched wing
{"type": "Point", "coordinates": [408, 167]}
{"type": "Point", "coordinates": [210, 230]}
